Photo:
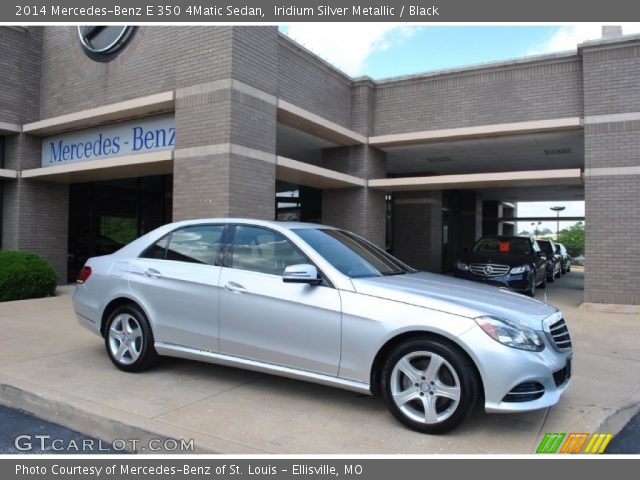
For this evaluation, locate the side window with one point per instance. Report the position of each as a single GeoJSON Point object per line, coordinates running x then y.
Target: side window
{"type": "Point", "coordinates": [260, 250]}
{"type": "Point", "coordinates": [197, 244]}
{"type": "Point", "coordinates": [158, 249]}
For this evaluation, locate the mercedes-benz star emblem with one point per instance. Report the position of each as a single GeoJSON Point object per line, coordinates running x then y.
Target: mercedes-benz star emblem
{"type": "Point", "coordinates": [488, 269]}
{"type": "Point", "coordinates": [102, 42]}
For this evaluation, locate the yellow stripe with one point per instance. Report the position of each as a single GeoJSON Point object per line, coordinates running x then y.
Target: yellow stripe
{"type": "Point", "coordinates": [598, 442]}
{"type": "Point", "coordinates": [590, 444]}
{"type": "Point", "coordinates": [608, 437]}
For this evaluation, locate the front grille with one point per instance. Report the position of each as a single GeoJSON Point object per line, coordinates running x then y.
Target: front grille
{"type": "Point", "coordinates": [525, 392]}
{"type": "Point", "coordinates": [489, 269]}
{"type": "Point", "coordinates": [559, 334]}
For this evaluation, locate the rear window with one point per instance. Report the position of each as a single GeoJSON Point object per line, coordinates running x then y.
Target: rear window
{"type": "Point", "coordinates": [546, 247]}
{"type": "Point", "coordinates": [520, 246]}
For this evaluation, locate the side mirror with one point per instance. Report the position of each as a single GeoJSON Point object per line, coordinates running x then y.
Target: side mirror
{"type": "Point", "coordinates": [302, 273]}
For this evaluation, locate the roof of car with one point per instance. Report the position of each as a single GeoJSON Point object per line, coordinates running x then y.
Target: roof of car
{"type": "Point", "coordinates": [250, 221]}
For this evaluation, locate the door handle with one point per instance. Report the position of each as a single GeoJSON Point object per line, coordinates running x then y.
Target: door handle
{"type": "Point", "coordinates": [152, 272]}
{"type": "Point", "coordinates": [234, 287]}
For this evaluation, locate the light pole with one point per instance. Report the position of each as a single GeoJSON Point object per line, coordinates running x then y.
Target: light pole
{"type": "Point", "coordinates": [557, 209]}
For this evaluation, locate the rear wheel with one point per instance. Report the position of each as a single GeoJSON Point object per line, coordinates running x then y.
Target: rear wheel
{"type": "Point", "coordinates": [429, 385]}
{"type": "Point", "coordinates": [532, 288]}
{"type": "Point", "coordinates": [129, 339]}
{"type": "Point", "coordinates": [550, 276]}
{"type": "Point", "coordinates": [544, 283]}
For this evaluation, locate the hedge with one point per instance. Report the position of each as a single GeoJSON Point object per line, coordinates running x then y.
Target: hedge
{"type": "Point", "coordinates": [25, 275]}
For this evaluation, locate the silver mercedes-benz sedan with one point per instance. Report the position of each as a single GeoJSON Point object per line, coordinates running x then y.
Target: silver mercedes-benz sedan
{"type": "Point", "coordinates": [322, 304]}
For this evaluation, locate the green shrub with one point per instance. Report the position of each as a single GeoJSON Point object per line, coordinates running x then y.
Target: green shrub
{"type": "Point", "coordinates": [25, 275]}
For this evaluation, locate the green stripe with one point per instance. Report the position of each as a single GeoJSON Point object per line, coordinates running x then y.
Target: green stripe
{"type": "Point", "coordinates": [543, 443]}
{"type": "Point", "coordinates": [553, 448]}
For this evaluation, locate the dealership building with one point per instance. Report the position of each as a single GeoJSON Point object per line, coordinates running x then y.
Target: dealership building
{"type": "Point", "coordinates": [109, 132]}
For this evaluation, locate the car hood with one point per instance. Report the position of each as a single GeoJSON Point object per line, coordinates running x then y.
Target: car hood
{"type": "Point", "coordinates": [456, 296]}
{"type": "Point", "coordinates": [511, 259]}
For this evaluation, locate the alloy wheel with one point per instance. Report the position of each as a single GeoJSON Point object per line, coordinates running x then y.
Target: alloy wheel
{"type": "Point", "coordinates": [425, 387]}
{"type": "Point", "coordinates": [125, 339]}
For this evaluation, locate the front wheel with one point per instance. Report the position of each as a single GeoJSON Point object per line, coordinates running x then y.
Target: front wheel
{"type": "Point", "coordinates": [129, 339]}
{"type": "Point", "coordinates": [429, 385]}
{"type": "Point", "coordinates": [532, 288]}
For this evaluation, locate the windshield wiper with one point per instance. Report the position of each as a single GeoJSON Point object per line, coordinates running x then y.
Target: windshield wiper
{"type": "Point", "coordinates": [399, 272]}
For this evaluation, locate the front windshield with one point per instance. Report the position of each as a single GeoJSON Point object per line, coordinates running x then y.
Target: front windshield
{"type": "Point", "coordinates": [517, 245]}
{"type": "Point", "coordinates": [351, 255]}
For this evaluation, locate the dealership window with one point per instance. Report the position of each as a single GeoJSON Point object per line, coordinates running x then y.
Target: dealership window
{"type": "Point", "coordinates": [296, 203]}
{"type": "Point", "coordinates": [106, 215]}
{"type": "Point", "coordinates": [260, 250]}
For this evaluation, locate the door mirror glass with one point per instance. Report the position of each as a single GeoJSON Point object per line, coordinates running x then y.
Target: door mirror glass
{"type": "Point", "coordinates": [301, 273]}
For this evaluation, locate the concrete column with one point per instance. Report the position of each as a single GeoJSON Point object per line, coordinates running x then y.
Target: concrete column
{"type": "Point", "coordinates": [359, 209]}
{"type": "Point", "coordinates": [612, 171]}
{"type": "Point", "coordinates": [417, 229]}
{"type": "Point", "coordinates": [35, 213]}
{"type": "Point", "coordinates": [225, 134]}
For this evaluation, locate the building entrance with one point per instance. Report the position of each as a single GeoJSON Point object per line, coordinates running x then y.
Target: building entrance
{"type": "Point", "coordinates": [104, 216]}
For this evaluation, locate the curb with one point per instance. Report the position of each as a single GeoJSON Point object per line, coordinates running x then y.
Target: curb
{"type": "Point", "coordinates": [105, 429]}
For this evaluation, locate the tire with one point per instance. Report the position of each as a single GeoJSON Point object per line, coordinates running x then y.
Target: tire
{"type": "Point", "coordinates": [550, 278]}
{"type": "Point", "coordinates": [544, 283]}
{"type": "Point", "coordinates": [558, 274]}
{"type": "Point", "coordinates": [568, 268]}
{"type": "Point", "coordinates": [428, 398]}
{"type": "Point", "coordinates": [532, 288]}
{"type": "Point", "coordinates": [129, 339]}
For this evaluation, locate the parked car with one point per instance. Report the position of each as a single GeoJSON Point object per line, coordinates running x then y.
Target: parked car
{"type": "Point", "coordinates": [554, 260]}
{"type": "Point", "coordinates": [324, 305]}
{"type": "Point", "coordinates": [515, 262]}
{"type": "Point", "coordinates": [565, 258]}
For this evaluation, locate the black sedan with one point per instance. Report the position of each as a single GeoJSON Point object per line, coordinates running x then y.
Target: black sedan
{"type": "Point", "coordinates": [554, 260]}
{"type": "Point", "coordinates": [566, 258]}
{"type": "Point", "coordinates": [514, 262]}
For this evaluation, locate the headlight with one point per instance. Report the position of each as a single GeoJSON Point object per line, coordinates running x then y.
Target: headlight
{"type": "Point", "coordinates": [520, 269]}
{"type": "Point", "coordinates": [462, 266]}
{"type": "Point", "coordinates": [511, 334]}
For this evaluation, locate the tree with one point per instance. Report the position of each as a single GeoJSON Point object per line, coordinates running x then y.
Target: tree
{"type": "Point", "coordinates": [573, 239]}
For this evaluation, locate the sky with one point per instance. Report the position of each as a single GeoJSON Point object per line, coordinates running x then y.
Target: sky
{"type": "Point", "coordinates": [543, 209]}
{"type": "Point", "coordinates": [382, 50]}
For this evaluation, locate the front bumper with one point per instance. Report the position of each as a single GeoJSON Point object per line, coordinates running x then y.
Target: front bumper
{"type": "Point", "coordinates": [503, 369]}
{"type": "Point", "coordinates": [518, 282]}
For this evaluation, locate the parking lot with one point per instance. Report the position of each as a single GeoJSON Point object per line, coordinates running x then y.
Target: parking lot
{"type": "Point", "coordinates": [52, 367]}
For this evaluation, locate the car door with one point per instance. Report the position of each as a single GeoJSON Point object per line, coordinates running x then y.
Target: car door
{"type": "Point", "coordinates": [177, 278]}
{"type": "Point", "coordinates": [540, 262]}
{"type": "Point", "coordinates": [263, 318]}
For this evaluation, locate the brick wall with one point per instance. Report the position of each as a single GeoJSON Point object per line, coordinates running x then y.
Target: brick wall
{"type": "Point", "coordinates": [35, 213]}
{"type": "Point", "coordinates": [20, 66]}
{"type": "Point", "coordinates": [612, 196]}
{"type": "Point", "coordinates": [310, 84]}
{"type": "Point", "coordinates": [358, 209]}
{"type": "Point", "coordinates": [510, 93]}
{"type": "Point", "coordinates": [215, 183]}
{"type": "Point", "coordinates": [157, 59]}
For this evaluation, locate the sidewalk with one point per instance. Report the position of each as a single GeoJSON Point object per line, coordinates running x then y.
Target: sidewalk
{"type": "Point", "coordinates": [54, 368]}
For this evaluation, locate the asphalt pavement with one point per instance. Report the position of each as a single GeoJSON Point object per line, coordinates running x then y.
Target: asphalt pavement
{"type": "Point", "coordinates": [628, 440]}
{"type": "Point", "coordinates": [22, 433]}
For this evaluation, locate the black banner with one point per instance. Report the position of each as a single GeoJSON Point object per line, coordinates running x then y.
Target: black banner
{"type": "Point", "coordinates": [287, 11]}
